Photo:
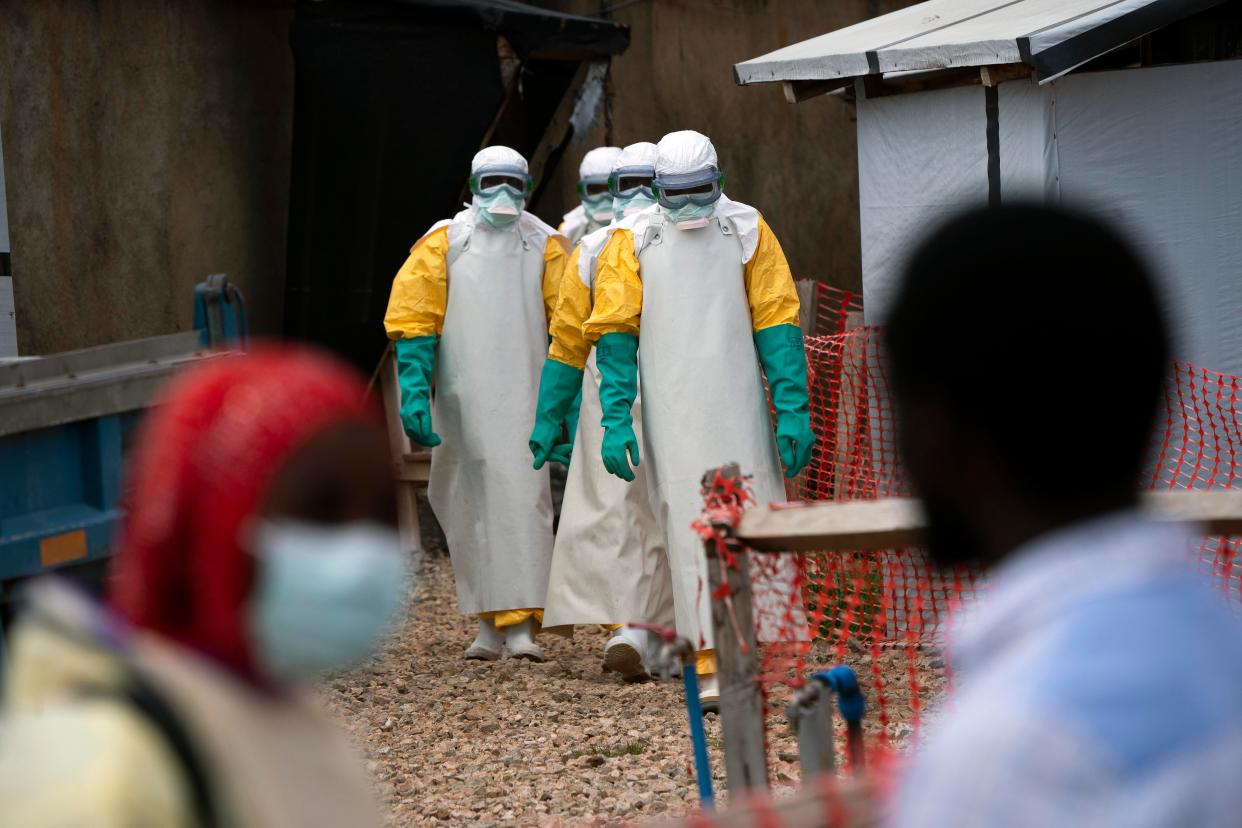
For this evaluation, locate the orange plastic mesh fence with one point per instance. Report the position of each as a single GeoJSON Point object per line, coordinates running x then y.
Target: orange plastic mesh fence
{"type": "Point", "coordinates": [883, 611]}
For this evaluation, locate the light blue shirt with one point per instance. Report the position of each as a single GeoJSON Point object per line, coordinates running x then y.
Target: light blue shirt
{"type": "Point", "coordinates": [1098, 683]}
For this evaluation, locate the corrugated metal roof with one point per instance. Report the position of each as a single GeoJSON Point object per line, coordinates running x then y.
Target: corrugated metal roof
{"type": "Point", "coordinates": [1052, 36]}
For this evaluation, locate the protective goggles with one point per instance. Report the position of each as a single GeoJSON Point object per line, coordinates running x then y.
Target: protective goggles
{"type": "Point", "coordinates": [625, 180]}
{"type": "Point", "coordinates": [700, 188]}
{"type": "Point", "coordinates": [593, 185]}
{"type": "Point", "coordinates": [488, 179]}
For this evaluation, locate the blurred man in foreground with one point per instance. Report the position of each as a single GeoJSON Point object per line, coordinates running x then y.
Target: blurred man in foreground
{"type": "Point", "coordinates": [1099, 682]}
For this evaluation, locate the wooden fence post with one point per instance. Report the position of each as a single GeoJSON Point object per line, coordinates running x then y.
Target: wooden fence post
{"type": "Point", "coordinates": [741, 703]}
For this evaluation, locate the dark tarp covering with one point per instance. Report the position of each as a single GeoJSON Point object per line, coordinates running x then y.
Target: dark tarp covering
{"type": "Point", "coordinates": [392, 100]}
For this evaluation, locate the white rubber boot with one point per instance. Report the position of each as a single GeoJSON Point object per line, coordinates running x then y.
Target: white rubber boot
{"type": "Point", "coordinates": [709, 694]}
{"type": "Point", "coordinates": [520, 641]}
{"type": "Point", "coordinates": [625, 654]}
{"type": "Point", "coordinates": [487, 643]}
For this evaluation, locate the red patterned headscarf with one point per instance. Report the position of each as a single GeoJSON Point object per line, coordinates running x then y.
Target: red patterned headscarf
{"type": "Point", "coordinates": [200, 471]}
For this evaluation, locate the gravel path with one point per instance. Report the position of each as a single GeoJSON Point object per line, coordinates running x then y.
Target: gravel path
{"type": "Point", "coordinates": [452, 742]}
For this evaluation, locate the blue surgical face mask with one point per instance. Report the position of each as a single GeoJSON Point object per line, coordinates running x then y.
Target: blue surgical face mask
{"type": "Point", "coordinates": [690, 213]}
{"type": "Point", "coordinates": [633, 201]}
{"type": "Point", "coordinates": [500, 206]}
{"type": "Point", "coordinates": [325, 595]}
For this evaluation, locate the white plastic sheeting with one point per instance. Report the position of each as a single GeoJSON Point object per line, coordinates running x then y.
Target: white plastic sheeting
{"type": "Point", "coordinates": [1157, 151]}
{"type": "Point", "coordinates": [920, 157]}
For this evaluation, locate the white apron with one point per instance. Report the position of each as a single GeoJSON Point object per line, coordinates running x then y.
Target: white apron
{"type": "Point", "coordinates": [609, 565]}
{"type": "Point", "coordinates": [495, 509]}
{"type": "Point", "coordinates": [703, 406]}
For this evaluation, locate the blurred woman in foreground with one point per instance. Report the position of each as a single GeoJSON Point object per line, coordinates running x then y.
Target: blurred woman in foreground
{"type": "Point", "coordinates": [259, 551]}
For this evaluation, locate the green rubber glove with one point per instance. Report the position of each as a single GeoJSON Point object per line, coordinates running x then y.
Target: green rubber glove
{"type": "Point", "coordinates": [563, 451]}
{"type": "Point", "coordinates": [616, 356]}
{"type": "Point", "coordinates": [560, 390]}
{"type": "Point", "coordinates": [784, 364]}
{"type": "Point", "coordinates": [416, 360]}
{"type": "Point", "coordinates": [571, 426]}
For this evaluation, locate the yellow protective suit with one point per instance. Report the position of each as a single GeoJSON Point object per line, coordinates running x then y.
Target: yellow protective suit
{"type": "Point", "coordinates": [75, 750]}
{"type": "Point", "coordinates": [420, 291]}
{"type": "Point", "coordinates": [609, 565]}
{"type": "Point", "coordinates": [471, 284]}
{"type": "Point", "coordinates": [618, 305]}
{"type": "Point", "coordinates": [694, 298]}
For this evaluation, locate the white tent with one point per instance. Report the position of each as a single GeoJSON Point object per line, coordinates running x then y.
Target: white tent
{"type": "Point", "coordinates": [994, 112]}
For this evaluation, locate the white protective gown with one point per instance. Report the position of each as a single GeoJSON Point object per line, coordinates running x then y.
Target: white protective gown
{"type": "Point", "coordinates": [609, 564]}
{"type": "Point", "coordinates": [576, 225]}
{"type": "Point", "coordinates": [495, 509]}
{"type": "Point", "coordinates": [704, 403]}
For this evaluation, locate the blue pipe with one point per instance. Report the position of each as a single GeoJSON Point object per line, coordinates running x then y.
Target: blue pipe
{"type": "Point", "coordinates": [698, 737]}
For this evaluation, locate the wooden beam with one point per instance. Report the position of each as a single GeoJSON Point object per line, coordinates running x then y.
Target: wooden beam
{"type": "Point", "coordinates": [559, 126]}
{"type": "Point", "coordinates": [896, 522]}
{"type": "Point", "coordinates": [808, 305]}
{"type": "Point", "coordinates": [863, 524]}
{"type": "Point", "coordinates": [1216, 512]}
{"type": "Point", "coordinates": [737, 655]}
{"type": "Point", "coordinates": [411, 465]}
{"type": "Point", "coordinates": [875, 86]}
{"type": "Point", "coordinates": [996, 75]}
{"type": "Point", "coordinates": [415, 468]}
{"type": "Point", "coordinates": [799, 91]}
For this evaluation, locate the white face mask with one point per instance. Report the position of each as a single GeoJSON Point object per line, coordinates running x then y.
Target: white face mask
{"type": "Point", "coordinates": [500, 207]}
{"type": "Point", "coordinates": [634, 201]}
{"type": "Point", "coordinates": [325, 596]}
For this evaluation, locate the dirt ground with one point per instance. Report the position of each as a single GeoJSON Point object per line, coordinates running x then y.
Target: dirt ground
{"type": "Point", "coordinates": [452, 742]}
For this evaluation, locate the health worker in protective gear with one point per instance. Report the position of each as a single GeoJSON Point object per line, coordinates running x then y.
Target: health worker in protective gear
{"type": "Point", "coordinates": [701, 283]}
{"type": "Point", "coordinates": [609, 565]}
{"type": "Point", "coordinates": [470, 309]}
{"type": "Point", "coordinates": [258, 551]}
{"type": "Point", "coordinates": [596, 208]}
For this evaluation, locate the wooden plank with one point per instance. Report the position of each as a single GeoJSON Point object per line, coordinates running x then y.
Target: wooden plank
{"type": "Point", "coordinates": [408, 525]}
{"type": "Point", "coordinates": [863, 524]}
{"type": "Point", "coordinates": [416, 469]}
{"type": "Point", "coordinates": [996, 75]}
{"type": "Point", "coordinates": [876, 86]}
{"type": "Point", "coordinates": [799, 91]}
{"type": "Point", "coordinates": [411, 467]}
{"type": "Point", "coordinates": [390, 395]}
{"type": "Point", "coordinates": [808, 305]}
{"type": "Point", "coordinates": [1218, 512]}
{"type": "Point", "coordinates": [896, 522]}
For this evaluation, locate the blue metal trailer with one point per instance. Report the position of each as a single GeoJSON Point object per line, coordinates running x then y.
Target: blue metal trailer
{"type": "Point", "coordinates": [66, 421]}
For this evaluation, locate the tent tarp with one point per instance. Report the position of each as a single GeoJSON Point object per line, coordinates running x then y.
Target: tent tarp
{"type": "Point", "coordinates": [1155, 151]}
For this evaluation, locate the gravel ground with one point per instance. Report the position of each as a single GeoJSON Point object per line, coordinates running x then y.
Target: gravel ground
{"type": "Point", "coordinates": [561, 743]}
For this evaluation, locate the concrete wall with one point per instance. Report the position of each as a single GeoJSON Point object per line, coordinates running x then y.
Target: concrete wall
{"type": "Point", "coordinates": [796, 163]}
{"type": "Point", "coordinates": [146, 145]}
